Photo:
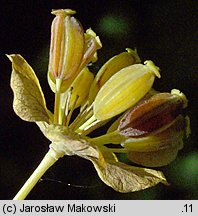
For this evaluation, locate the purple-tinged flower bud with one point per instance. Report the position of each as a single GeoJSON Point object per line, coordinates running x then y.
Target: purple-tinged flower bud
{"type": "Point", "coordinates": [151, 115]}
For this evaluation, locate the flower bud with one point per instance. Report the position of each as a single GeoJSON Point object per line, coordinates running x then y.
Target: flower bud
{"type": "Point", "coordinates": [66, 47]}
{"type": "Point", "coordinates": [124, 89]}
{"type": "Point", "coordinates": [92, 44]}
{"type": "Point", "coordinates": [151, 115]}
{"type": "Point", "coordinates": [111, 67]}
{"type": "Point", "coordinates": [159, 149]}
{"type": "Point", "coordinates": [80, 87]}
{"type": "Point", "coordinates": [165, 138]}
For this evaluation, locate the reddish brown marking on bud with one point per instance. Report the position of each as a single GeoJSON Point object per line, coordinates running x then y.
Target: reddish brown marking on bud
{"type": "Point", "coordinates": [151, 115]}
{"type": "Point", "coordinates": [66, 47]}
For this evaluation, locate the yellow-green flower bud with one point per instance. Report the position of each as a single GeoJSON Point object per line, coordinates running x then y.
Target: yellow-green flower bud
{"type": "Point", "coordinates": [124, 89]}
{"type": "Point", "coordinates": [66, 47]}
{"type": "Point", "coordinates": [92, 44]}
{"type": "Point", "coordinates": [80, 87]}
{"type": "Point", "coordinates": [111, 67]}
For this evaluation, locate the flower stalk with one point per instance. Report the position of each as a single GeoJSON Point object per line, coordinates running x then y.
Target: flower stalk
{"type": "Point", "coordinates": [50, 158]}
{"type": "Point", "coordinates": [113, 138]}
{"type": "Point", "coordinates": [57, 110]}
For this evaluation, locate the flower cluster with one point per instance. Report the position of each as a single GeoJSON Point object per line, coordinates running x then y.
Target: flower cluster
{"type": "Point", "coordinates": [147, 126]}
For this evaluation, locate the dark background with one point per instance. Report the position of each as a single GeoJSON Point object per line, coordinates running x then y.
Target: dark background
{"type": "Point", "coordinates": [164, 31]}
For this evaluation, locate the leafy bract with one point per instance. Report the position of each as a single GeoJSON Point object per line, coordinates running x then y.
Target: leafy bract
{"type": "Point", "coordinates": [125, 178]}
{"type": "Point", "coordinates": [121, 177]}
{"type": "Point", "coordinates": [68, 143]}
{"type": "Point", "coordinates": [29, 102]}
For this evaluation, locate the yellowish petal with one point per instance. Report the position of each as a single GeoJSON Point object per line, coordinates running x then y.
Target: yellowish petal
{"type": "Point", "coordinates": [125, 178]}
{"type": "Point", "coordinates": [29, 102]}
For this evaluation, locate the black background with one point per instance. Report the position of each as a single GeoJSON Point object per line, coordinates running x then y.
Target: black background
{"type": "Point", "coordinates": [164, 31]}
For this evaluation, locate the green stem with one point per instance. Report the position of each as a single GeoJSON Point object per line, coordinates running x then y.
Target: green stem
{"type": "Point", "coordinates": [117, 150]}
{"type": "Point", "coordinates": [82, 116]}
{"type": "Point", "coordinates": [71, 111]}
{"type": "Point", "coordinates": [50, 158]}
{"type": "Point", "coordinates": [113, 137]}
{"type": "Point", "coordinates": [57, 108]}
{"type": "Point", "coordinates": [87, 123]}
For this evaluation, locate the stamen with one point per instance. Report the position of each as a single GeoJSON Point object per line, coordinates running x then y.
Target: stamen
{"type": "Point", "coordinates": [71, 110]}
{"type": "Point", "coordinates": [57, 107]}
{"type": "Point", "coordinates": [86, 124]}
{"type": "Point", "coordinates": [91, 127]}
{"type": "Point", "coordinates": [65, 107]}
{"type": "Point", "coordinates": [117, 150]}
{"type": "Point", "coordinates": [82, 117]}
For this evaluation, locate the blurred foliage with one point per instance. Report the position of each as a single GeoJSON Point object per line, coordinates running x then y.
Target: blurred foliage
{"type": "Point", "coordinates": [185, 173]}
{"type": "Point", "coordinates": [114, 26]}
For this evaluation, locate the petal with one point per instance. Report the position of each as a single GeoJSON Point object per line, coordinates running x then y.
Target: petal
{"type": "Point", "coordinates": [29, 102]}
{"type": "Point", "coordinates": [67, 143]}
{"type": "Point", "coordinates": [125, 178]}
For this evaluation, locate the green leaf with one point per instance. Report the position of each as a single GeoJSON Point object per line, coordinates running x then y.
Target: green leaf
{"type": "Point", "coordinates": [125, 178]}
{"type": "Point", "coordinates": [29, 102]}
